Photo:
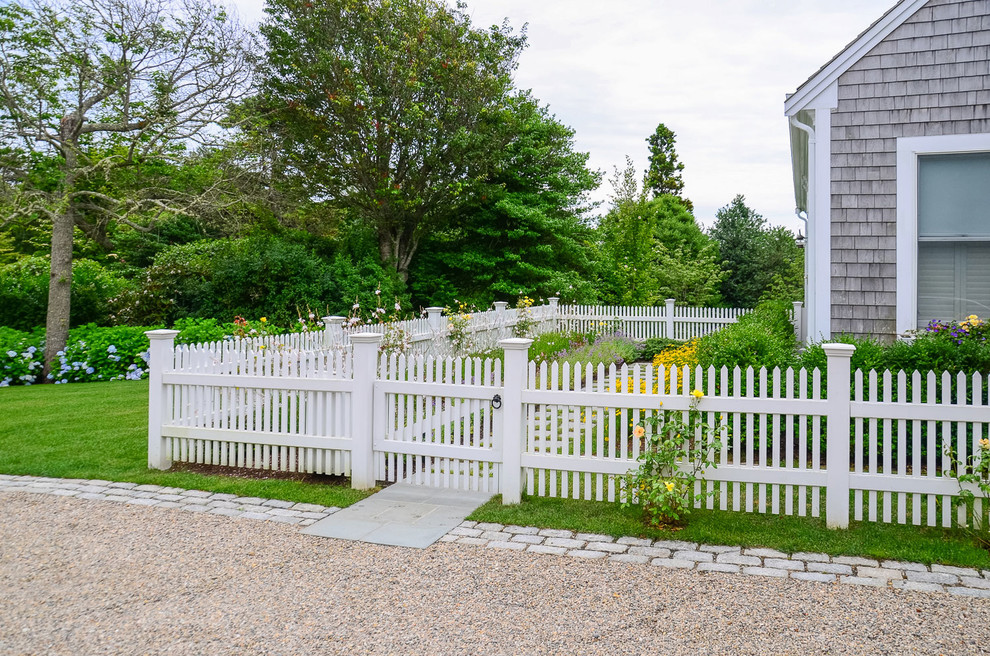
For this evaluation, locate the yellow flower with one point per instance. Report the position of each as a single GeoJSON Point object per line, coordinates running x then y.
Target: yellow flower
{"type": "Point", "coordinates": [639, 431]}
{"type": "Point", "coordinates": [985, 444]}
{"type": "Point", "coordinates": [670, 486]}
{"type": "Point", "coordinates": [264, 319]}
{"type": "Point", "coordinates": [697, 394]}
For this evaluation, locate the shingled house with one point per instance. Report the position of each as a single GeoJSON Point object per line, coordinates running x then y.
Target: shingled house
{"type": "Point", "coordinates": [890, 146]}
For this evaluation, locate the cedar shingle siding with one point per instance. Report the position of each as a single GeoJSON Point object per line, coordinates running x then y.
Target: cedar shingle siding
{"type": "Point", "coordinates": [930, 76]}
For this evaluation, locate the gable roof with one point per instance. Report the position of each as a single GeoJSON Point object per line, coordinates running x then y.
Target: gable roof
{"type": "Point", "coordinates": [852, 53]}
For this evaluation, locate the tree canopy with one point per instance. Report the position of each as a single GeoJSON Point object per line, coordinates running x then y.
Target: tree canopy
{"type": "Point", "coordinates": [526, 233]}
{"type": "Point", "coordinates": [390, 109]}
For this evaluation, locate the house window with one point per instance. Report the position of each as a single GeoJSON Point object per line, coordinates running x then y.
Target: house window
{"type": "Point", "coordinates": [953, 236]}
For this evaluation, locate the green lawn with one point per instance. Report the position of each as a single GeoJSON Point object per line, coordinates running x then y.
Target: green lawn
{"type": "Point", "coordinates": [100, 431]}
{"type": "Point", "coordinates": [788, 534]}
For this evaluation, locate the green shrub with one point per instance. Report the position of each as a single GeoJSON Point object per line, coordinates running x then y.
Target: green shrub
{"type": "Point", "coordinates": [869, 354]}
{"type": "Point", "coordinates": [200, 331]}
{"type": "Point", "coordinates": [24, 292]}
{"type": "Point", "coordinates": [952, 347]}
{"type": "Point", "coordinates": [257, 276]}
{"type": "Point", "coordinates": [762, 338]}
{"type": "Point", "coordinates": [654, 346]}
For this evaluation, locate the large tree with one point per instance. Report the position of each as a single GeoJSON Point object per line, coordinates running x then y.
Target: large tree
{"type": "Point", "coordinates": [527, 232]}
{"type": "Point", "coordinates": [389, 108]}
{"type": "Point", "coordinates": [110, 89]}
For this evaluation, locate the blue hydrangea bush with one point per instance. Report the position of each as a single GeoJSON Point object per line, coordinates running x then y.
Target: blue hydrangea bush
{"type": "Point", "coordinates": [91, 354]}
{"type": "Point", "coordinates": [95, 353]}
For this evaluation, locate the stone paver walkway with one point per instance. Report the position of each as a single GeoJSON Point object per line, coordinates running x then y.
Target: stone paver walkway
{"type": "Point", "coordinates": [401, 515]}
{"type": "Point", "coordinates": [843, 570]}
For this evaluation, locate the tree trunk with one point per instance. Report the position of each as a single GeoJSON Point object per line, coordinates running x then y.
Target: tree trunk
{"type": "Point", "coordinates": [397, 251]}
{"type": "Point", "coordinates": [59, 291]}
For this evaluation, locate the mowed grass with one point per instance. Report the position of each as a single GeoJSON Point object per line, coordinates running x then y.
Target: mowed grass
{"type": "Point", "coordinates": [100, 431]}
{"type": "Point", "coordinates": [784, 533]}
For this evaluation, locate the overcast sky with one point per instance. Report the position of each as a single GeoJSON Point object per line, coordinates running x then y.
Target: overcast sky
{"type": "Point", "coordinates": [714, 71]}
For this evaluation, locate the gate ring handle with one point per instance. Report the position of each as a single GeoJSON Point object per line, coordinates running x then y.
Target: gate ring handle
{"type": "Point", "coordinates": [497, 401]}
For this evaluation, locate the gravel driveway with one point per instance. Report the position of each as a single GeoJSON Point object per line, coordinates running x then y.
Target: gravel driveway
{"type": "Point", "coordinates": [89, 577]}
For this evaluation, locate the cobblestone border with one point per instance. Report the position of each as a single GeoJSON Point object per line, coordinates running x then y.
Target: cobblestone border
{"type": "Point", "coordinates": [847, 570]}
{"type": "Point", "coordinates": [819, 567]}
{"type": "Point", "coordinates": [230, 505]}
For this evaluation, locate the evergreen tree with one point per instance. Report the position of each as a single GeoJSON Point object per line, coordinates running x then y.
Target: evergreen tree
{"type": "Point", "coordinates": [663, 176]}
{"type": "Point", "coordinates": [755, 257]}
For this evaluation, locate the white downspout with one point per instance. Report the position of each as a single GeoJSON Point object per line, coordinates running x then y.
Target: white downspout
{"type": "Point", "coordinates": [811, 249]}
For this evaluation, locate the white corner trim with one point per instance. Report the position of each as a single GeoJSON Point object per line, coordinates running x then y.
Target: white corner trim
{"type": "Point", "coordinates": [821, 273]}
{"type": "Point", "coordinates": [908, 150]}
{"type": "Point", "coordinates": [855, 51]}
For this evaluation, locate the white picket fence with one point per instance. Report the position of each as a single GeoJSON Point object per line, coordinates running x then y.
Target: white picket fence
{"type": "Point", "coordinates": [430, 335]}
{"type": "Point", "coordinates": [872, 450]}
{"type": "Point", "coordinates": [665, 321]}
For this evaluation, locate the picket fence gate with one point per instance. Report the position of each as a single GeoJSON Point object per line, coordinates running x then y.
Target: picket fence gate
{"type": "Point", "coordinates": [870, 446]}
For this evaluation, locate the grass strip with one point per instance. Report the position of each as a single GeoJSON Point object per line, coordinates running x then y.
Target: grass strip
{"type": "Point", "coordinates": [784, 533]}
{"type": "Point", "coordinates": [100, 431]}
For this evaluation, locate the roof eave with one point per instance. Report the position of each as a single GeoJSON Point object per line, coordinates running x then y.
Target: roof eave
{"type": "Point", "coordinates": [844, 60]}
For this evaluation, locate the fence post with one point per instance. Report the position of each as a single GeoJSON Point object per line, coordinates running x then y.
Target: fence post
{"type": "Point", "coordinates": [514, 377]}
{"type": "Point", "coordinates": [501, 321]}
{"type": "Point", "coordinates": [435, 318]}
{"type": "Point", "coordinates": [798, 321]}
{"type": "Point", "coordinates": [837, 441]}
{"type": "Point", "coordinates": [334, 330]}
{"type": "Point", "coordinates": [669, 318]}
{"type": "Point", "coordinates": [365, 367]}
{"type": "Point", "coordinates": [160, 360]}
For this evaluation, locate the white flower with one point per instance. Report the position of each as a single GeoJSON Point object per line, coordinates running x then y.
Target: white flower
{"type": "Point", "coordinates": [398, 306]}
{"type": "Point", "coordinates": [11, 354]}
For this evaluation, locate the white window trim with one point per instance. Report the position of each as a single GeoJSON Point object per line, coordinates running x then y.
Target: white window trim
{"type": "Point", "coordinates": [908, 150]}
